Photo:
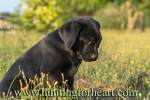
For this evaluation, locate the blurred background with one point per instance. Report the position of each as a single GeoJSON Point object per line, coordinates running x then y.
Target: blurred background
{"type": "Point", "coordinates": [124, 60]}
{"type": "Point", "coordinates": [46, 15]}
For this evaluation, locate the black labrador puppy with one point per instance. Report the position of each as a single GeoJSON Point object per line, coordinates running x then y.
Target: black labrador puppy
{"type": "Point", "coordinates": [59, 52]}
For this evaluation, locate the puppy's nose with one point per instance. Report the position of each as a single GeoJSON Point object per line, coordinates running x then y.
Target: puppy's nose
{"type": "Point", "coordinates": [94, 56]}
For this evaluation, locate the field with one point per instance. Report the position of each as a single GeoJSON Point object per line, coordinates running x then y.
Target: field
{"type": "Point", "coordinates": [122, 56]}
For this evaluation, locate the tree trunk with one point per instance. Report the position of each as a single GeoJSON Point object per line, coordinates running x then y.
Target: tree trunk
{"type": "Point", "coordinates": [132, 16]}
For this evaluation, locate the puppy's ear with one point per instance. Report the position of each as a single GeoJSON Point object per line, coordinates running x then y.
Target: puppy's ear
{"type": "Point", "coordinates": [69, 33]}
{"type": "Point", "coordinates": [97, 25]}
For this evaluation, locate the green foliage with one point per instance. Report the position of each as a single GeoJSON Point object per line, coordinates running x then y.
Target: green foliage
{"type": "Point", "coordinates": [81, 8]}
{"type": "Point", "coordinates": [45, 15]}
{"type": "Point", "coordinates": [41, 14]}
{"type": "Point", "coordinates": [112, 16]}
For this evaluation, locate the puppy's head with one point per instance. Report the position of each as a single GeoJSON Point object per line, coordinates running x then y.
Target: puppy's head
{"type": "Point", "coordinates": [82, 35]}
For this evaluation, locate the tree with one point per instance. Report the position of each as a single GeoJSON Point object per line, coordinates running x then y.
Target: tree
{"type": "Point", "coordinates": [41, 15]}
{"type": "Point", "coordinates": [136, 13]}
{"type": "Point", "coordinates": [44, 15]}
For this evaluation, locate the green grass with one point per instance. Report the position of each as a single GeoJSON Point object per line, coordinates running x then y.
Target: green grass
{"type": "Point", "coordinates": [122, 55]}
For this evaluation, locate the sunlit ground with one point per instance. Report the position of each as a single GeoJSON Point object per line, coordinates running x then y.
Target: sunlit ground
{"type": "Point", "coordinates": [122, 54]}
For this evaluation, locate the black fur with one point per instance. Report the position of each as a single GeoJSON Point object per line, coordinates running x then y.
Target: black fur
{"type": "Point", "coordinates": [59, 52]}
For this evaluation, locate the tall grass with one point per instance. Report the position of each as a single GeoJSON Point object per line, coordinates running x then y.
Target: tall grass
{"type": "Point", "coordinates": [12, 45]}
{"type": "Point", "coordinates": [121, 56]}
